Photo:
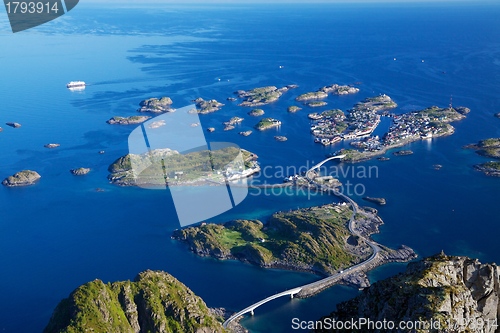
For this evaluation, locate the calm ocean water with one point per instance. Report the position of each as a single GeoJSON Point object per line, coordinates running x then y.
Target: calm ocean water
{"type": "Point", "coordinates": [62, 233]}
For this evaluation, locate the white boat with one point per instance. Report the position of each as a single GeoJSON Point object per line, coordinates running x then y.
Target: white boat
{"type": "Point", "coordinates": [76, 84]}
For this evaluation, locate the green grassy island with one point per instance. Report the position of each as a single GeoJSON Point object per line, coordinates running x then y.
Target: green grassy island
{"type": "Point", "coordinates": [488, 148]}
{"type": "Point", "coordinates": [262, 96]}
{"type": "Point", "coordinates": [313, 239]}
{"type": "Point", "coordinates": [267, 123]}
{"type": "Point", "coordinates": [163, 166]}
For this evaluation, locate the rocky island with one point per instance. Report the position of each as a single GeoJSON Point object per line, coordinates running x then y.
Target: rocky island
{"type": "Point", "coordinates": [155, 105]}
{"type": "Point", "coordinates": [22, 178]}
{"type": "Point", "coordinates": [324, 91]}
{"type": "Point", "coordinates": [165, 166]}
{"type": "Point", "coordinates": [280, 138]}
{"type": "Point", "coordinates": [262, 96]}
{"type": "Point", "coordinates": [378, 201]}
{"type": "Point", "coordinates": [256, 113]}
{"type": "Point", "coordinates": [340, 89]}
{"type": "Point", "coordinates": [154, 302]}
{"type": "Point", "coordinates": [317, 104]}
{"type": "Point", "coordinates": [133, 120]}
{"type": "Point", "coordinates": [311, 96]}
{"type": "Point", "coordinates": [267, 123]}
{"type": "Point", "coordinates": [205, 107]}
{"type": "Point", "coordinates": [488, 148]}
{"type": "Point", "coordinates": [315, 240]}
{"type": "Point", "coordinates": [293, 109]}
{"type": "Point", "coordinates": [246, 133]}
{"type": "Point", "coordinates": [79, 171]}
{"type": "Point", "coordinates": [454, 293]}
{"type": "Point", "coordinates": [489, 168]}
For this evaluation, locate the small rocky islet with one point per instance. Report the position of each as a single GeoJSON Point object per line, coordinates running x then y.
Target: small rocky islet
{"type": "Point", "coordinates": [132, 120]}
{"type": "Point", "coordinates": [488, 148]}
{"type": "Point", "coordinates": [79, 171]}
{"type": "Point", "coordinates": [262, 96]}
{"type": "Point", "coordinates": [156, 105]}
{"type": "Point", "coordinates": [378, 201]}
{"type": "Point", "coordinates": [22, 178]}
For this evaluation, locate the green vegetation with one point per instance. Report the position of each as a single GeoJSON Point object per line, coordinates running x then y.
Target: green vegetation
{"type": "Point", "coordinates": [312, 95]}
{"type": "Point", "coordinates": [435, 289]}
{"type": "Point", "coordinates": [162, 165]}
{"type": "Point", "coordinates": [336, 113]}
{"type": "Point", "coordinates": [267, 123]}
{"type": "Point", "coordinates": [311, 239]}
{"type": "Point", "coordinates": [316, 104]}
{"type": "Point", "coordinates": [440, 115]}
{"type": "Point", "coordinates": [256, 112]}
{"type": "Point", "coordinates": [154, 300]}
{"type": "Point", "coordinates": [488, 147]}
{"type": "Point", "coordinates": [155, 105]}
{"type": "Point", "coordinates": [293, 109]}
{"type": "Point", "coordinates": [22, 178]}
{"type": "Point", "coordinates": [260, 96]}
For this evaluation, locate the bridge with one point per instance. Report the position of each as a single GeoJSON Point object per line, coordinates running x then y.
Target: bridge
{"type": "Point", "coordinates": [338, 157]}
{"type": "Point", "coordinates": [314, 287]}
{"type": "Point", "coordinates": [252, 307]}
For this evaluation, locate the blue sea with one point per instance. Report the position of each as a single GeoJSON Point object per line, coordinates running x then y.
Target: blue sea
{"type": "Point", "coordinates": [62, 233]}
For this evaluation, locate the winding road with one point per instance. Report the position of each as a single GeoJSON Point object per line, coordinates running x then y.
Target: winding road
{"type": "Point", "coordinates": [326, 282]}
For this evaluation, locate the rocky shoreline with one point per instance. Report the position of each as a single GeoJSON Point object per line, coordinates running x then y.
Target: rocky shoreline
{"type": "Point", "coordinates": [455, 292]}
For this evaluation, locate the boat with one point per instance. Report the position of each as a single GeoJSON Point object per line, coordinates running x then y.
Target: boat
{"type": "Point", "coordinates": [76, 84]}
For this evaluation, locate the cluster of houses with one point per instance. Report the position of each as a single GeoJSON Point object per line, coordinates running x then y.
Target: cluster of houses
{"type": "Point", "coordinates": [331, 125]}
{"type": "Point", "coordinates": [411, 126]}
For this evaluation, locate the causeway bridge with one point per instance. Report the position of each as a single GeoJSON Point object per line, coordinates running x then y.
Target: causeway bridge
{"type": "Point", "coordinates": [252, 307]}
{"type": "Point", "coordinates": [315, 287]}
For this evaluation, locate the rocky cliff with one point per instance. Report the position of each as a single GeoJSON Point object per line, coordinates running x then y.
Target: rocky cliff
{"type": "Point", "coordinates": [457, 294]}
{"type": "Point", "coordinates": [154, 302]}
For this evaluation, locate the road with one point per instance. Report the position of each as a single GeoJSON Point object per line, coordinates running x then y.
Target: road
{"type": "Point", "coordinates": [332, 278]}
